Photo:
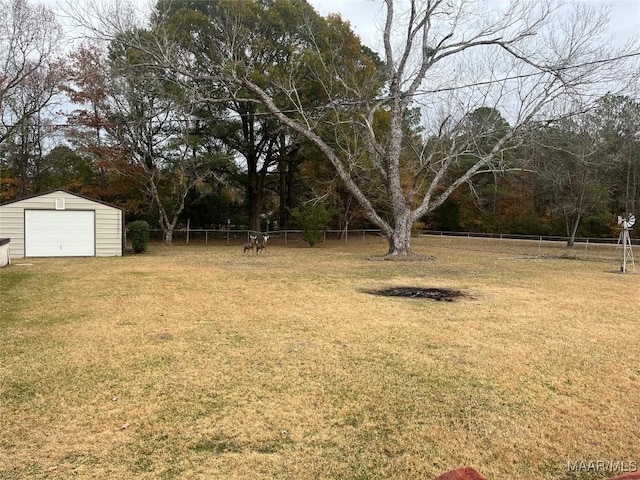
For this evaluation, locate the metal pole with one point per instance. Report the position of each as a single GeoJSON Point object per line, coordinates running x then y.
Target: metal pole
{"type": "Point", "coordinates": [625, 238]}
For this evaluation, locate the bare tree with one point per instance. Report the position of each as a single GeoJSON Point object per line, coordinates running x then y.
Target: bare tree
{"type": "Point", "coordinates": [150, 133]}
{"type": "Point", "coordinates": [528, 60]}
{"type": "Point", "coordinates": [617, 124]}
{"type": "Point", "coordinates": [24, 147]}
{"type": "Point", "coordinates": [573, 171]}
{"type": "Point", "coordinates": [30, 38]}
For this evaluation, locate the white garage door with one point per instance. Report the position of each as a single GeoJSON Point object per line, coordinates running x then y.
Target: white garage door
{"type": "Point", "coordinates": [59, 233]}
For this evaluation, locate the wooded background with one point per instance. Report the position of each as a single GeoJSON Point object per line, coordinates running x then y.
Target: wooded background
{"type": "Point", "coordinates": [218, 113]}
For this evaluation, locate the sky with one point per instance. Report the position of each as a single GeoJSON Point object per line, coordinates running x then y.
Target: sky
{"type": "Point", "coordinates": [366, 16]}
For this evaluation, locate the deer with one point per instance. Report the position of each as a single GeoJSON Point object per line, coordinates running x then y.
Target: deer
{"type": "Point", "coordinates": [250, 244]}
{"type": "Point", "coordinates": [262, 244]}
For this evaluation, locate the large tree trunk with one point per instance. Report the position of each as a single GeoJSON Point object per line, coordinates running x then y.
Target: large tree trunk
{"type": "Point", "coordinates": [399, 237]}
{"type": "Point", "coordinates": [255, 203]}
{"type": "Point", "coordinates": [287, 170]}
{"type": "Point", "coordinates": [255, 192]}
{"type": "Point", "coordinates": [574, 229]}
{"type": "Point", "coordinates": [168, 236]}
{"type": "Point", "coordinates": [166, 226]}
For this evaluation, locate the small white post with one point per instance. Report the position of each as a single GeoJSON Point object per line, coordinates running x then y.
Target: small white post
{"type": "Point", "coordinates": [586, 250]}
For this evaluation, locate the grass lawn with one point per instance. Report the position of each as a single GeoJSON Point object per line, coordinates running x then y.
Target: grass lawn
{"type": "Point", "coordinates": [198, 362]}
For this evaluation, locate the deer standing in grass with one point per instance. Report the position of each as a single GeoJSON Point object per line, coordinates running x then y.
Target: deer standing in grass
{"type": "Point", "coordinates": [261, 245]}
{"type": "Point", "coordinates": [250, 244]}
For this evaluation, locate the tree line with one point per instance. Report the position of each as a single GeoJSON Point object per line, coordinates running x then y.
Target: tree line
{"type": "Point", "coordinates": [251, 112]}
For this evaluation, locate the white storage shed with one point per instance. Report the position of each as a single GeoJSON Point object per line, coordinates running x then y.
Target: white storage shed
{"type": "Point", "coordinates": [62, 224]}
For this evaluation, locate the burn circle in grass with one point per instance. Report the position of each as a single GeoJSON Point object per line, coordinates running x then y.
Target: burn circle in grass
{"type": "Point", "coordinates": [439, 294]}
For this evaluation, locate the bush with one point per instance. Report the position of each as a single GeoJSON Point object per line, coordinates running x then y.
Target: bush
{"type": "Point", "coordinates": [313, 220]}
{"type": "Point", "coordinates": [139, 233]}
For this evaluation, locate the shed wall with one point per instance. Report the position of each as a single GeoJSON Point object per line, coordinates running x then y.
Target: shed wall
{"type": "Point", "coordinates": [108, 229]}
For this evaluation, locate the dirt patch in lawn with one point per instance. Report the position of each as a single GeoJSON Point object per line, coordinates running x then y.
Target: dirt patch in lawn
{"type": "Point", "coordinates": [438, 294]}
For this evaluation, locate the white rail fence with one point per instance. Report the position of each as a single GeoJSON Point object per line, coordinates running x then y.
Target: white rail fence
{"type": "Point", "coordinates": [606, 249]}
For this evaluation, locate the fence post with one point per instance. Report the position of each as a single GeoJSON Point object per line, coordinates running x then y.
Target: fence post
{"type": "Point", "coordinates": [539, 246]}
{"type": "Point", "coordinates": [586, 250]}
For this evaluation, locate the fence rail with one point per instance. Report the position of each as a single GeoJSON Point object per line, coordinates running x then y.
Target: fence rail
{"type": "Point", "coordinates": [358, 234]}
{"type": "Point", "coordinates": [282, 237]}
{"type": "Point", "coordinates": [598, 249]}
{"type": "Point", "coordinates": [607, 250]}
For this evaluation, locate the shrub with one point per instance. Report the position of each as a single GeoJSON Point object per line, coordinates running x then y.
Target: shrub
{"type": "Point", "coordinates": [313, 220]}
{"type": "Point", "coordinates": [139, 233]}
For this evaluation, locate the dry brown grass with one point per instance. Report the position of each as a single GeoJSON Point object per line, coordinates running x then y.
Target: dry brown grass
{"type": "Point", "coordinates": [202, 363]}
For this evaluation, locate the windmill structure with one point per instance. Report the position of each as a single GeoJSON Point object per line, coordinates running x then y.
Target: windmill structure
{"type": "Point", "coordinates": [625, 240]}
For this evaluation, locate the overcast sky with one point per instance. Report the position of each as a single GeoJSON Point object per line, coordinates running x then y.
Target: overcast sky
{"type": "Point", "coordinates": [365, 16]}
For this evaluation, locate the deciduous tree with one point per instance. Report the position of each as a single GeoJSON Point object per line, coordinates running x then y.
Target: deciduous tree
{"type": "Point", "coordinates": [527, 58]}
{"type": "Point", "coordinates": [573, 174]}
{"type": "Point", "coordinates": [616, 121]}
{"type": "Point", "coordinates": [30, 39]}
